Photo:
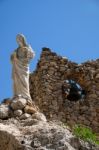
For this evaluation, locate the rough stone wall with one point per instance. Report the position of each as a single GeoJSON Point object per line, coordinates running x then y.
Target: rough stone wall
{"type": "Point", "coordinates": [46, 89]}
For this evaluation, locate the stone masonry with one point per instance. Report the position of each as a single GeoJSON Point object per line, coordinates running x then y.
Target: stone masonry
{"type": "Point", "coordinates": [46, 89]}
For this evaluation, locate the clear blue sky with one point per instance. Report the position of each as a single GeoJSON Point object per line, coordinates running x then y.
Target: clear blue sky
{"type": "Point", "coordinates": [69, 27]}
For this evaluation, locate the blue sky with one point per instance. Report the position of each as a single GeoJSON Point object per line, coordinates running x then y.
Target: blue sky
{"type": "Point", "coordinates": [69, 27]}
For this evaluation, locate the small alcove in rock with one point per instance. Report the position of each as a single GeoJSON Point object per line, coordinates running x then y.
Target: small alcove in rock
{"type": "Point", "coordinates": [73, 91]}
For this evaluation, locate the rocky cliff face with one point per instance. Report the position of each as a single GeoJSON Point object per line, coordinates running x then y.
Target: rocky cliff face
{"type": "Point", "coordinates": [46, 89]}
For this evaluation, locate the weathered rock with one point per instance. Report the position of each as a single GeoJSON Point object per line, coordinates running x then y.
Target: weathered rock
{"type": "Point", "coordinates": [35, 143]}
{"type": "Point", "coordinates": [29, 109]}
{"type": "Point", "coordinates": [97, 76]}
{"type": "Point", "coordinates": [18, 104]}
{"type": "Point", "coordinates": [17, 135]}
{"type": "Point", "coordinates": [18, 113]}
{"type": "Point", "coordinates": [25, 116]}
{"type": "Point", "coordinates": [4, 111]}
{"type": "Point", "coordinates": [39, 116]}
{"type": "Point", "coordinates": [9, 137]}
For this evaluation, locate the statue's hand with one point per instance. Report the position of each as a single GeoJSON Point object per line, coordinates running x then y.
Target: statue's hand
{"type": "Point", "coordinates": [30, 55]}
{"type": "Point", "coordinates": [13, 57]}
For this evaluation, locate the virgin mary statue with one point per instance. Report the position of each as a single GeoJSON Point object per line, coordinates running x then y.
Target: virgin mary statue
{"type": "Point", "coordinates": [20, 72]}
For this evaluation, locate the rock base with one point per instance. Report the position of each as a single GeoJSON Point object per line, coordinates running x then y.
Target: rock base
{"type": "Point", "coordinates": [20, 108]}
{"type": "Point", "coordinates": [32, 134]}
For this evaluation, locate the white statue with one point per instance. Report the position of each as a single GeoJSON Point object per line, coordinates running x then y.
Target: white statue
{"type": "Point", "coordinates": [20, 73]}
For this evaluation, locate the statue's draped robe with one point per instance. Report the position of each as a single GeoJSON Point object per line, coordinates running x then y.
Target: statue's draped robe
{"type": "Point", "coordinates": [20, 72]}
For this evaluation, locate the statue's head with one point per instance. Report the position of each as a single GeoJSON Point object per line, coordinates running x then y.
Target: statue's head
{"type": "Point", "coordinates": [21, 40]}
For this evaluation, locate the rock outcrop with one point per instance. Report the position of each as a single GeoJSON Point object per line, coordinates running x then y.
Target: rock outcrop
{"type": "Point", "coordinates": [33, 134]}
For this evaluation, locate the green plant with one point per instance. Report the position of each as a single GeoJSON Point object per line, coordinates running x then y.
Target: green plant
{"type": "Point", "coordinates": [85, 133]}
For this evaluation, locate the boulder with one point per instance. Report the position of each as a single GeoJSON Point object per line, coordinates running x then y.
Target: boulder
{"type": "Point", "coordinates": [25, 116]}
{"type": "Point", "coordinates": [18, 104]}
{"type": "Point", "coordinates": [18, 113]}
{"type": "Point", "coordinates": [29, 109]}
{"type": "Point", "coordinates": [4, 111]}
{"type": "Point", "coordinates": [39, 116]}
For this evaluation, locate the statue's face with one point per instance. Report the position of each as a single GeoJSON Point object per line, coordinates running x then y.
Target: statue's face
{"type": "Point", "coordinates": [20, 40]}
